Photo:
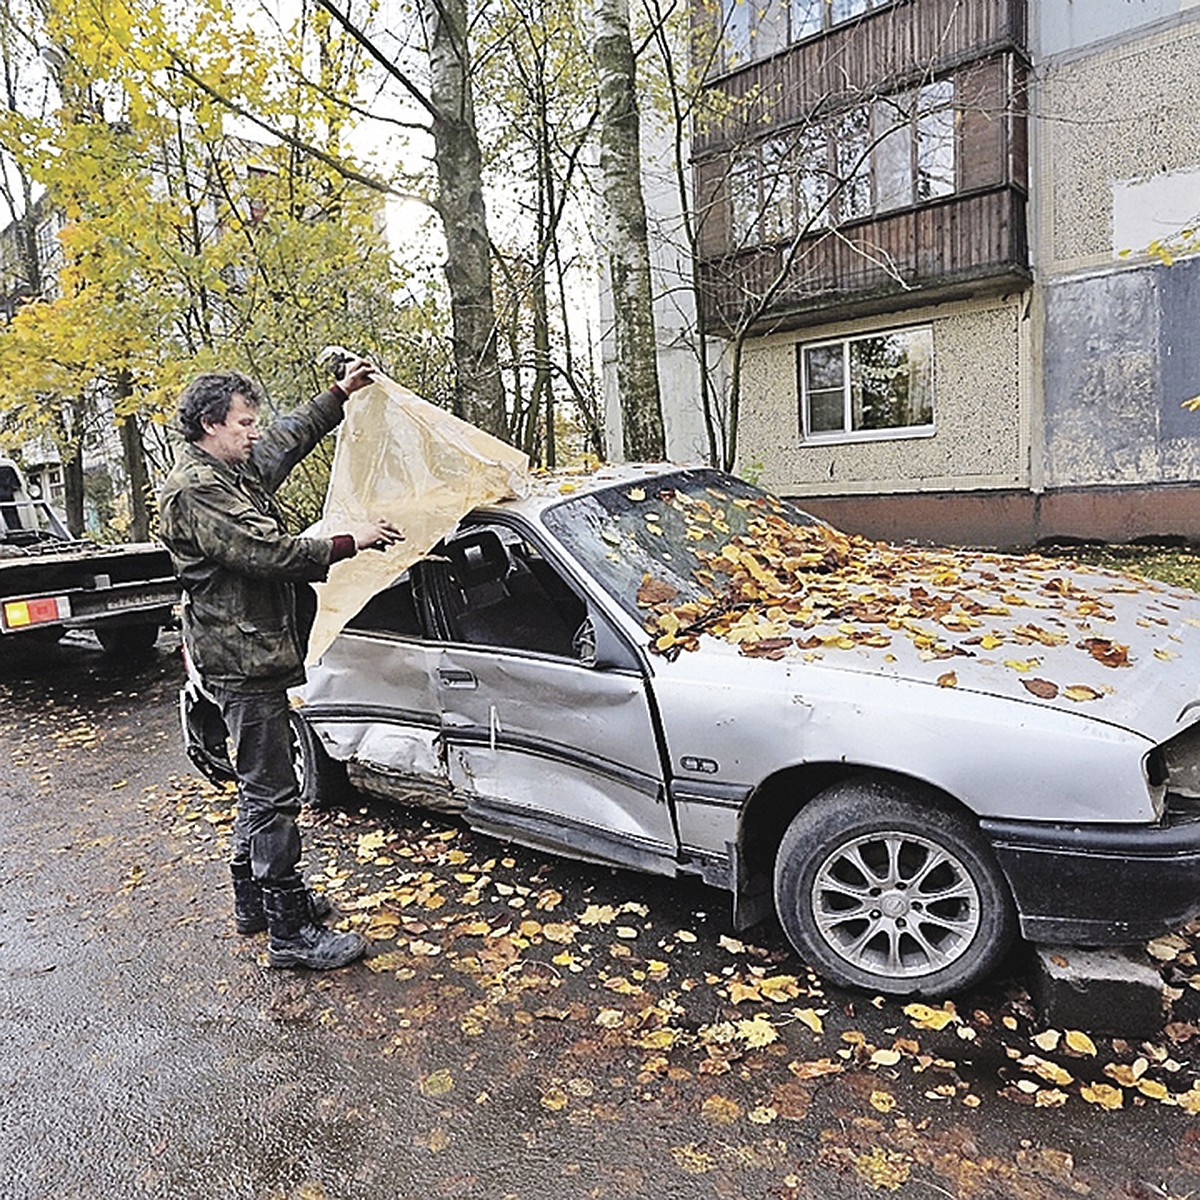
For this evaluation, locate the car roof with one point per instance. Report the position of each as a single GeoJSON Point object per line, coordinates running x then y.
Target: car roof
{"type": "Point", "coordinates": [548, 488]}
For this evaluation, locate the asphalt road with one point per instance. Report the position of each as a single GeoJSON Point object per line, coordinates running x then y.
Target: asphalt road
{"type": "Point", "coordinates": [525, 1027]}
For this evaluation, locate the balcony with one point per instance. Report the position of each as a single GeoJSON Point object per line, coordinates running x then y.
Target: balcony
{"type": "Point", "coordinates": [954, 248]}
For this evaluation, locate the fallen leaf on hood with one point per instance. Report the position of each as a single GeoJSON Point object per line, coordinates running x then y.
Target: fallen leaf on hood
{"type": "Point", "coordinates": [1042, 688]}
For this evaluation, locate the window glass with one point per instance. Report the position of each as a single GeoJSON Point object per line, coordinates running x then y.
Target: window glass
{"type": "Point", "coordinates": [736, 32]}
{"type": "Point", "coordinates": [825, 387]}
{"type": "Point", "coordinates": [845, 10]}
{"type": "Point", "coordinates": [776, 219]}
{"type": "Point", "coordinates": [889, 378]}
{"type": "Point", "coordinates": [935, 140]}
{"type": "Point", "coordinates": [811, 150]}
{"type": "Point", "coordinates": [662, 529]}
{"type": "Point", "coordinates": [891, 119]}
{"type": "Point", "coordinates": [852, 138]}
{"type": "Point", "coordinates": [743, 193]}
{"type": "Point", "coordinates": [806, 18]}
{"type": "Point", "coordinates": [770, 31]}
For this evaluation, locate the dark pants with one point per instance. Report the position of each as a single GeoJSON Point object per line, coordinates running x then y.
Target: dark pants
{"type": "Point", "coordinates": [264, 831]}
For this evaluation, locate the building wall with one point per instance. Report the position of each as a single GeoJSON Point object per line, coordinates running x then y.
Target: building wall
{"type": "Point", "coordinates": [1116, 164]}
{"type": "Point", "coordinates": [980, 418]}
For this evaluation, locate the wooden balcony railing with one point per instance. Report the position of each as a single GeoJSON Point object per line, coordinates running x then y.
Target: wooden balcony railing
{"type": "Point", "coordinates": [960, 245]}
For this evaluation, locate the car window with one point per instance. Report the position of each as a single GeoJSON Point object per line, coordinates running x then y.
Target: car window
{"type": "Point", "coordinates": [391, 611]}
{"type": "Point", "coordinates": [496, 589]}
{"type": "Point", "coordinates": [663, 529]}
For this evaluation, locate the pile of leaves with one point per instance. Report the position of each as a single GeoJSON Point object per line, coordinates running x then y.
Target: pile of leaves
{"type": "Point", "coordinates": [783, 588]}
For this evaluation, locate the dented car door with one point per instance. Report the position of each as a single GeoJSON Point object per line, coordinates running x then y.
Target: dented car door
{"type": "Point", "coordinates": [551, 749]}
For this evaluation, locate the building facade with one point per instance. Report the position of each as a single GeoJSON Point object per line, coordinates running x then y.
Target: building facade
{"type": "Point", "coordinates": [925, 231]}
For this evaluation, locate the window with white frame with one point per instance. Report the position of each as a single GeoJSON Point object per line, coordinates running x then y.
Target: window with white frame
{"type": "Point", "coordinates": [867, 385]}
{"type": "Point", "coordinates": [897, 151]}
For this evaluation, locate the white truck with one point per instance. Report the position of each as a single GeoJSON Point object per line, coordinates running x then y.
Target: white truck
{"type": "Point", "coordinates": [51, 583]}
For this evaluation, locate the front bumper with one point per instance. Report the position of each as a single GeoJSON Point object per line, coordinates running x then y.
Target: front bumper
{"type": "Point", "coordinates": [1099, 885]}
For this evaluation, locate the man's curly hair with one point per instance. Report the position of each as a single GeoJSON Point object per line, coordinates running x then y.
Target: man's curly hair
{"type": "Point", "coordinates": [207, 398]}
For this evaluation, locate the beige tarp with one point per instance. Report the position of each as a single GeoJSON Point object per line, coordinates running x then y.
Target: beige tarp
{"type": "Point", "coordinates": [415, 464]}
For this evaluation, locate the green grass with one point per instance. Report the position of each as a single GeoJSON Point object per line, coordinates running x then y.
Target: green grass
{"type": "Point", "coordinates": [1175, 565]}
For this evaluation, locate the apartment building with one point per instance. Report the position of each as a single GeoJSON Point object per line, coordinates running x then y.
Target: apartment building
{"type": "Point", "coordinates": [925, 232]}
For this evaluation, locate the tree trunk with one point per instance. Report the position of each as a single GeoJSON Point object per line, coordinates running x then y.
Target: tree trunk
{"type": "Point", "coordinates": [623, 234]}
{"type": "Point", "coordinates": [479, 390]}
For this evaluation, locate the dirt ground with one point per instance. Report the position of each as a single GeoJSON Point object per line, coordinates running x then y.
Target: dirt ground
{"type": "Point", "coordinates": [525, 1027]}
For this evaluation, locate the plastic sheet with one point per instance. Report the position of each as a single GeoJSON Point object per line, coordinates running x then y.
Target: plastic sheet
{"type": "Point", "coordinates": [415, 464]}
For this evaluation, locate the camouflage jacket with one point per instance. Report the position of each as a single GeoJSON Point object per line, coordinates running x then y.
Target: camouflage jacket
{"type": "Point", "coordinates": [237, 562]}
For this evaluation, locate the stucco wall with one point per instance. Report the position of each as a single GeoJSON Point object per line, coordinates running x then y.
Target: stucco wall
{"type": "Point", "coordinates": [1116, 136]}
{"type": "Point", "coordinates": [980, 417]}
{"type": "Point", "coordinates": [1125, 115]}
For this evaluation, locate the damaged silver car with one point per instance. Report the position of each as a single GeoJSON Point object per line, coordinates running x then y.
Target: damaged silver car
{"type": "Point", "coordinates": [913, 757]}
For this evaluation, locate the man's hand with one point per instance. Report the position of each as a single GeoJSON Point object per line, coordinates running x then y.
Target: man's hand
{"type": "Point", "coordinates": [376, 535]}
{"type": "Point", "coordinates": [357, 374]}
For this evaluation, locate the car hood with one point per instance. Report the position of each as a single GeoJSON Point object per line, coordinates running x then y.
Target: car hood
{"type": "Point", "coordinates": [1037, 631]}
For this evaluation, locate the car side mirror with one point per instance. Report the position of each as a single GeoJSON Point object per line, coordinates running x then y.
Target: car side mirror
{"type": "Point", "coordinates": [596, 644]}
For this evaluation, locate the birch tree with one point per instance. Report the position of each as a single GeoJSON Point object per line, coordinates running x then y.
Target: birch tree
{"type": "Point", "coordinates": [623, 234]}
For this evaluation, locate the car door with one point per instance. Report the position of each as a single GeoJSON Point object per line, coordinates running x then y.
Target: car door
{"type": "Point", "coordinates": [553, 749]}
{"type": "Point", "coordinates": [372, 698]}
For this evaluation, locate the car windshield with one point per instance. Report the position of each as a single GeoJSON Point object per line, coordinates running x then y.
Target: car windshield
{"type": "Point", "coordinates": [662, 532]}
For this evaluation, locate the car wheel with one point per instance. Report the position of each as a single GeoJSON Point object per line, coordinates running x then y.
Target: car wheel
{"type": "Point", "coordinates": [127, 641]}
{"type": "Point", "coordinates": [893, 890]}
{"type": "Point", "coordinates": [321, 779]}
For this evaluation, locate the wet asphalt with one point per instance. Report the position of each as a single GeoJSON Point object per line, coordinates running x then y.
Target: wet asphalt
{"type": "Point", "coordinates": [526, 1028]}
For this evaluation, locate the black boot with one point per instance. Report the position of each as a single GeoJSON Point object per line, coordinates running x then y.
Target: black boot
{"type": "Point", "coordinates": [294, 940]}
{"type": "Point", "coordinates": [248, 912]}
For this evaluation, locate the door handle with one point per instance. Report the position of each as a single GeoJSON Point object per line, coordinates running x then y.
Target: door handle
{"type": "Point", "coordinates": [456, 678]}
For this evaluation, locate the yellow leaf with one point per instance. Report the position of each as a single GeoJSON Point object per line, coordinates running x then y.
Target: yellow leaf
{"type": "Point", "coordinates": [764, 1114]}
{"type": "Point", "coordinates": [1079, 1042]}
{"type": "Point", "coordinates": [739, 991]}
{"type": "Point", "coordinates": [437, 1083]}
{"type": "Point", "coordinates": [810, 1018]}
{"type": "Point", "coordinates": [1189, 1101]}
{"type": "Point", "coordinates": [1080, 693]}
{"type": "Point", "coordinates": [1154, 1090]}
{"type": "Point", "coordinates": [925, 1017]}
{"type": "Point", "coordinates": [883, 1102]}
{"type": "Point", "coordinates": [885, 1058]}
{"type": "Point", "coordinates": [1103, 1095]}
{"type": "Point", "coordinates": [598, 914]}
{"type": "Point", "coordinates": [883, 1169]}
{"type": "Point", "coordinates": [1047, 1040]}
{"type": "Point", "coordinates": [657, 1039]}
{"type": "Point", "coordinates": [558, 932]}
{"type": "Point", "coordinates": [720, 1110]}
{"type": "Point", "coordinates": [554, 1100]}
{"type": "Point", "coordinates": [1051, 1072]}
{"type": "Point", "coordinates": [757, 1032]}
{"type": "Point", "coordinates": [1026, 664]}
{"type": "Point", "coordinates": [779, 988]}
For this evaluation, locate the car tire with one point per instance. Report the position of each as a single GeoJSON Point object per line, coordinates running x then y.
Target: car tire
{"type": "Point", "coordinates": [892, 889]}
{"type": "Point", "coordinates": [322, 780]}
{"type": "Point", "coordinates": [127, 641]}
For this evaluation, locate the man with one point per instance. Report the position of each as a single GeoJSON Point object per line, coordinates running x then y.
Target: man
{"type": "Point", "coordinates": [240, 570]}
